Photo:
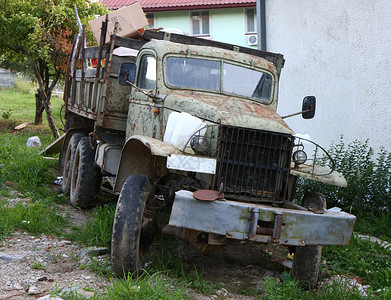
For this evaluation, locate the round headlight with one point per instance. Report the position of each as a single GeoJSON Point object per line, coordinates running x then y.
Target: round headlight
{"type": "Point", "coordinates": [199, 144]}
{"type": "Point", "coordinates": [299, 157]}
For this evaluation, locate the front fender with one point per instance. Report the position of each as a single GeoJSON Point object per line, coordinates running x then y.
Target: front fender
{"type": "Point", "coordinates": [157, 147]}
{"type": "Point", "coordinates": [310, 172]}
{"type": "Point", "coordinates": [143, 155]}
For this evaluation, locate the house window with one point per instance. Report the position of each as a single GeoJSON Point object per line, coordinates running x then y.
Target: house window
{"type": "Point", "coordinates": [251, 20]}
{"type": "Point", "coordinates": [200, 23]}
{"type": "Point", "coordinates": [151, 20]}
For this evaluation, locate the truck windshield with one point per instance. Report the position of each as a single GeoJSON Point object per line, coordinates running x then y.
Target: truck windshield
{"type": "Point", "coordinates": [197, 73]}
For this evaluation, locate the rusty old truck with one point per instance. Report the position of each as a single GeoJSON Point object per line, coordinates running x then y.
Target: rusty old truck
{"type": "Point", "coordinates": [185, 131]}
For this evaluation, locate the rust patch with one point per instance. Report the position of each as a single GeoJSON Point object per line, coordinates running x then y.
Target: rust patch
{"type": "Point", "coordinates": [277, 228]}
{"type": "Point", "coordinates": [228, 110]}
{"type": "Point", "coordinates": [207, 195]}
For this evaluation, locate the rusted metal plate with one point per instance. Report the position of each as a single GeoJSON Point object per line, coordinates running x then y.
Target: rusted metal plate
{"type": "Point", "coordinates": [189, 163]}
{"type": "Point", "coordinates": [233, 219]}
{"type": "Point", "coordinates": [207, 195]}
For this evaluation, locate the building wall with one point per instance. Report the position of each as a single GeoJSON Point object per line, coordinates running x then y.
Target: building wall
{"type": "Point", "coordinates": [226, 25]}
{"type": "Point", "coordinates": [173, 19]}
{"type": "Point", "coordinates": [338, 51]}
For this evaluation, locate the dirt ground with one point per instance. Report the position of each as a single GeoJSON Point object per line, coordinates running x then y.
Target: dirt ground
{"type": "Point", "coordinates": [33, 266]}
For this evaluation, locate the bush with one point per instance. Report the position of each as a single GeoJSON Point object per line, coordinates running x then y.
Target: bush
{"type": "Point", "coordinates": [25, 85]}
{"type": "Point", "coordinates": [368, 176]}
{"type": "Point", "coordinates": [6, 114]}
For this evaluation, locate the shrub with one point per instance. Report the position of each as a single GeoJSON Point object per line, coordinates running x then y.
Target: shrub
{"type": "Point", "coordinates": [6, 114]}
{"type": "Point", "coordinates": [25, 85]}
{"type": "Point", "coordinates": [368, 176]}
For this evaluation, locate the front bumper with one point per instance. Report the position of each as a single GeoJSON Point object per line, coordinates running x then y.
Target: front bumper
{"type": "Point", "coordinates": [261, 223]}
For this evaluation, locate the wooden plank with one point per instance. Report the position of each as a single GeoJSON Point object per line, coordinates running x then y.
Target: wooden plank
{"type": "Point", "coordinates": [129, 43]}
{"type": "Point", "coordinates": [21, 126]}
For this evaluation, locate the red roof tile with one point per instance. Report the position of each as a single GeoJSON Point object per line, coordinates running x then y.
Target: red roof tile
{"type": "Point", "coordinates": [170, 5]}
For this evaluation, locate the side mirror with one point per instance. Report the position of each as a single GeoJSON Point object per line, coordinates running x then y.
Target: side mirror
{"type": "Point", "coordinates": [127, 73]}
{"type": "Point", "coordinates": [308, 108]}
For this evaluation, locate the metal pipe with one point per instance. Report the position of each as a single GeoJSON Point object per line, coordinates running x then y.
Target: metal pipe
{"type": "Point", "coordinates": [261, 24]}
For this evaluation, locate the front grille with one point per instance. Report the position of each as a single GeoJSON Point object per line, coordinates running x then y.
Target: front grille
{"type": "Point", "coordinates": [253, 165]}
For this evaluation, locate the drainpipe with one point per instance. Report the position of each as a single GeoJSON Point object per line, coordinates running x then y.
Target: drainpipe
{"type": "Point", "coordinates": [261, 24]}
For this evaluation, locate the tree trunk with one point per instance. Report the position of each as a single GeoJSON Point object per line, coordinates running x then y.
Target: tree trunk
{"type": "Point", "coordinates": [38, 107]}
{"type": "Point", "coordinates": [49, 115]}
{"type": "Point", "coordinates": [41, 71]}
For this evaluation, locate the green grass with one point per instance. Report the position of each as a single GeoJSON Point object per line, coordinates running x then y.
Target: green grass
{"type": "Point", "coordinates": [22, 107]}
{"type": "Point", "coordinates": [148, 286]}
{"type": "Point", "coordinates": [361, 258]}
{"type": "Point", "coordinates": [374, 224]}
{"type": "Point", "coordinates": [98, 230]}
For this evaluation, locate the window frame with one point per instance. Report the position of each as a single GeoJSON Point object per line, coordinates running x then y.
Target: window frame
{"type": "Point", "coordinates": [201, 33]}
{"type": "Point", "coordinates": [143, 71]}
{"type": "Point", "coordinates": [221, 89]}
{"type": "Point", "coordinates": [150, 16]}
{"type": "Point", "coordinates": [246, 20]}
{"type": "Point", "coordinates": [186, 86]}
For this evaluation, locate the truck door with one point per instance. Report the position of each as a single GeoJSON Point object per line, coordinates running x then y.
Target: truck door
{"type": "Point", "coordinates": [145, 116]}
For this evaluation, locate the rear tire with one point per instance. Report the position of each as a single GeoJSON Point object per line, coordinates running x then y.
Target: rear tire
{"type": "Point", "coordinates": [68, 163]}
{"type": "Point", "coordinates": [86, 176]}
{"type": "Point", "coordinates": [134, 225]}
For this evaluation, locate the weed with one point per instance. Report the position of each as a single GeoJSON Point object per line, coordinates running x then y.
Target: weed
{"type": "Point", "coordinates": [154, 286]}
{"type": "Point", "coordinates": [99, 267]}
{"type": "Point", "coordinates": [196, 281]}
{"type": "Point", "coordinates": [98, 230]}
{"type": "Point", "coordinates": [38, 266]}
{"type": "Point", "coordinates": [54, 258]}
{"type": "Point", "coordinates": [75, 257]}
{"type": "Point", "coordinates": [83, 267]}
{"type": "Point", "coordinates": [286, 290]}
{"type": "Point", "coordinates": [6, 114]}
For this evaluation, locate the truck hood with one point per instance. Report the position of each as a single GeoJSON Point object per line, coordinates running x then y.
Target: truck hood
{"type": "Point", "coordinates": [227, 110]}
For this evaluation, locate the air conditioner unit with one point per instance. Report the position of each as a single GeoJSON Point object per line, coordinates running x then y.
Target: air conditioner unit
{"type": "Point", "coordinates": [252, 40]}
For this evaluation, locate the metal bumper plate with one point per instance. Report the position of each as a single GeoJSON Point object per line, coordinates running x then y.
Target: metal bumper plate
{"type": "Point", "coordinates": [239, 220]}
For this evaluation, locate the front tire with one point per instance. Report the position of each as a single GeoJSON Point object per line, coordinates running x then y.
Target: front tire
{"type": "Point", "coordinates": [134, 225]}
{"type": "Point", "coordinates": [306, 260]}
{"type": "Point", "coordinates": [85, 177]}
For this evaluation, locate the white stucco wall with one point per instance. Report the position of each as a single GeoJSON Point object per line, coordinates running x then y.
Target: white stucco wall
{"type": "Point", "coordinates": [339, 51]}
